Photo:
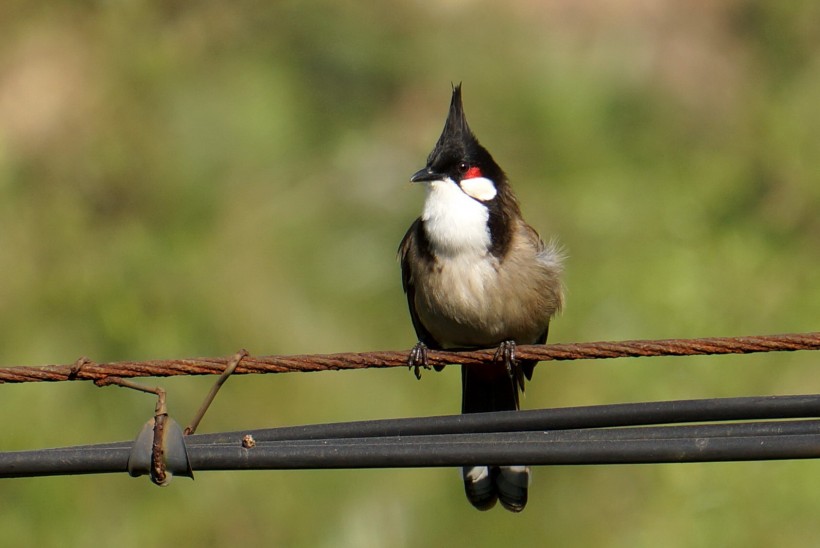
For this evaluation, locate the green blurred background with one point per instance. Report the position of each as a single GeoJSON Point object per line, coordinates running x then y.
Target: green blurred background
{"type": "Point", "coordinates": [186, 179]}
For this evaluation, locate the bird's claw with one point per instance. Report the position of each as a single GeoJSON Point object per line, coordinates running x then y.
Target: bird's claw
{"type": "Point", "coordinates": [505, 353]}
{"type": "Point", "coordinates": [417, 359]}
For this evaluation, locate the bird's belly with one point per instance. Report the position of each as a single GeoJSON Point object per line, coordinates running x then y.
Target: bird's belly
{"type": "Point", "coordinates": [470, 302]}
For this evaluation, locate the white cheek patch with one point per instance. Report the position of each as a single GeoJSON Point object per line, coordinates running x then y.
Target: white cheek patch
{"type": "Point", "coordinates": [479, 188]}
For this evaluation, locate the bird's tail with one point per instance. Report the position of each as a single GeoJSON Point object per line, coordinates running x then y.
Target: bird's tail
{"type": "Point", "coordinates": [491, 388]}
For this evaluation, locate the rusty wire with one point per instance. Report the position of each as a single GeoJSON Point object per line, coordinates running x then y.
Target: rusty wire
{"type": "Point", "coordinates": [84, 369]}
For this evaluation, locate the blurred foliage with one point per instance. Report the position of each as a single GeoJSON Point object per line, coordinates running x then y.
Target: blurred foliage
{"type": "Point", "coordinates": [181, 179]}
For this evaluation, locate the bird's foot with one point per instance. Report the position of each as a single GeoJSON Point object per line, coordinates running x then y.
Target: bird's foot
{"type": "Point", "coordinates": [418, 358]}
{"type": "Point", "coordinates": [506, 354]}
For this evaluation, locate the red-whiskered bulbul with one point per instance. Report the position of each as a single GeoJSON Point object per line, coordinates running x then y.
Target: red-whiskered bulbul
{"type": "Point", "coordinates": [477, 276]}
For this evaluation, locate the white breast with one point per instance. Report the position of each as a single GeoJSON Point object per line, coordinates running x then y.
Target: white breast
{"type": "Point", "coordinates": [470, 298]}
{"type": "Point", "coordinates": [455, 223]}
{"type": "Point", "coordinates": [458, 294]}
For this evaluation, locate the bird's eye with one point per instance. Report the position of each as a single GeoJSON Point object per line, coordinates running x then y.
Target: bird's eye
{"type": "Point", "coordinates": [462, 167]}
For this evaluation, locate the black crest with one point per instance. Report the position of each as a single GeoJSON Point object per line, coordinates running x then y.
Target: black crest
{"type": "Point", "coordinates": [457, 151]}
{"type": "Point", "coordinates": [457, 143]}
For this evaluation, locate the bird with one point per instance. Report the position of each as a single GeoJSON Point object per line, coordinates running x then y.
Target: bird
{"type": "Point", "coordinates": [476, 275]}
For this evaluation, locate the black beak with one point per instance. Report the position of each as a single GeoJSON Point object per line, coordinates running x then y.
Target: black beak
{"type": "Point", "coordinates": [425, 174]}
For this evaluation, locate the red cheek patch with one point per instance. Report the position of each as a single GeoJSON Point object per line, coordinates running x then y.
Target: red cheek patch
{"type": "Point", "coordinates": [472, 173]}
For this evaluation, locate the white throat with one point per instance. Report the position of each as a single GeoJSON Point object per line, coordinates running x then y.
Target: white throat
{"type": "Point", "coordinates": [455, 223]}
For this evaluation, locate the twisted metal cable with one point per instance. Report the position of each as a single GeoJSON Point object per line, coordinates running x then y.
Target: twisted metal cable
{"type": "Point", "coordinates": [84, 369]}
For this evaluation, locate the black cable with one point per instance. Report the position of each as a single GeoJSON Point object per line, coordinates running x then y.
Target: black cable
{"type": "Point", "coordinates": [411, 453]}
{"type": "Point", "coordinates": [608, 434]}
{"type": "Point", "coordinates": [690, 443]}
{"type": "Point", "coordinates": [87, 459]}
{"type": "Point", "coordinates": [597, 416]}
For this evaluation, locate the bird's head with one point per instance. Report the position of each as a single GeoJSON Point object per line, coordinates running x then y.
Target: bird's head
{"type": "Point", "coordinates": [469, 202]}
{"type": "Point", "coordinates": [458, 158]}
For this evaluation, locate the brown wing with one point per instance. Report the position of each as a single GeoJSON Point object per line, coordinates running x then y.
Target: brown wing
{"type": "Point", "coordinates": [414, 250]}
{"type": "Point", "coordinates": [553, 286]}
